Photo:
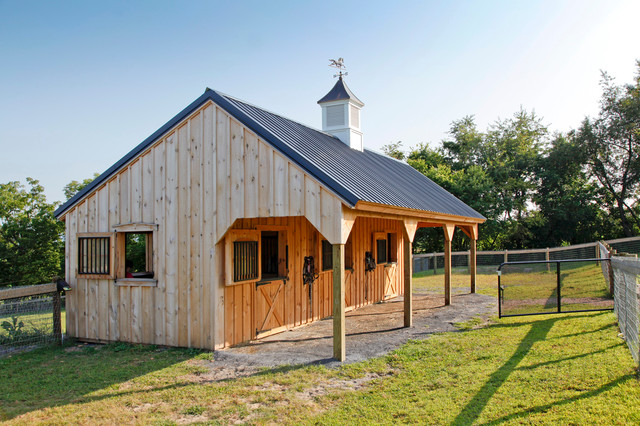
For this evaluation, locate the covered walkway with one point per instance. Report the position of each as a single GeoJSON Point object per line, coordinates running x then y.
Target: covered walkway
{"type": "Point", "coordinates": [372, 331]}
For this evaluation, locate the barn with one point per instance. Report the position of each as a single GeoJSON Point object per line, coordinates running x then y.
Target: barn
{"type": "Point", "coordinates": [230, 223]}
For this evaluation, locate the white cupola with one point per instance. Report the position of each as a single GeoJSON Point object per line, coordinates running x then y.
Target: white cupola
{"type": "Point", "coordinates": [341, 114]}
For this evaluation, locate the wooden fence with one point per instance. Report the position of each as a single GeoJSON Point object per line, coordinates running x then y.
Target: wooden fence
{"type": "Point", "coordinates": [460, 259]}
{"type": "Point", "coordinates": [24, 316]}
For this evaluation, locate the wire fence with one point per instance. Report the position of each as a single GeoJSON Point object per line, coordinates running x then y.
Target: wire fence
{"type": "Point", "coordinates": [30, 317]}
{"type": "Point", "coordinates": [623, 275]}
{"type": "Point", "coordinates": [488, 261]}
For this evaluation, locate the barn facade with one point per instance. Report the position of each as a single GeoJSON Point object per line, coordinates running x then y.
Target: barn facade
{"type": "Point", "coordinates": [230, 223]}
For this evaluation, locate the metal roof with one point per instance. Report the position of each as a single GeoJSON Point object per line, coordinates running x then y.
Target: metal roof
{"type": "Point", "coordinates": [351, 174]}
{"type": "Point", "coordinates": [340, 91]}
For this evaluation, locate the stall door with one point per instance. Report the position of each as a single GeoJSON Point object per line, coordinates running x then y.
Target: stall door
{"type": "Point", "coordinates": [269, 308]}
{"type": "Point", "coordinates": [390, 283]}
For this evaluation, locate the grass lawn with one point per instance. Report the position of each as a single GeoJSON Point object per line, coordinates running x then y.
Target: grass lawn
{"type": "Point", "coordinates": [563, 369]}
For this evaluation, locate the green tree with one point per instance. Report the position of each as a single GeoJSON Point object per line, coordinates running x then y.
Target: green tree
{"type": "Point", "coordinates": [612, 146]}
{"type": "Point", "coordinates": [31, 245]}
{"type": "Point", "coordinates": [394, 150]}
{"type": "Point", "coordinates": [73, 187]}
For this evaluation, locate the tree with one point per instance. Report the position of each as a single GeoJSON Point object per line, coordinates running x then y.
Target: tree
{"type": "Point", "coordinates": [394, 150]}
{"type": "Point", "coordinates": [612, 146]}
{"type": "Point", "coordinates": [73, 187]}
{"type": "Point", "coordinates": [31, 245]}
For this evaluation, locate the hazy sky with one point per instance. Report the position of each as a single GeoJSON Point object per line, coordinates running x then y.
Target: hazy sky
{"type": "Point", "coordinates": [82, 83]}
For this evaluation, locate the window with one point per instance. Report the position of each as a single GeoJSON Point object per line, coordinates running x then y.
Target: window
{"type": "Point", "coordinates": [94, 255]}
{"type": "Point", "coordinates": [327, 255]}
{"type": "Point", "coordinates": [245, 266]}
{"type": "Point", "coordinates": [138, 254]}
{"type": "Point", "coordinates": [134, 253]}
{"type": "Point", "coordinates": [381, 250]}
{"type": "Point", "coordinates": [269, 254]}
{"type": "Point", "coordinates": [386, 247]}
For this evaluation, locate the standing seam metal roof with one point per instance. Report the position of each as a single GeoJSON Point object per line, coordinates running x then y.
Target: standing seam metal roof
{"type": "Point", "coordinates": [351, 174]}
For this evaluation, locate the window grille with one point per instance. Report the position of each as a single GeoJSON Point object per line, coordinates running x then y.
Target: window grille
{"type": "Point", "coordinates": [94, 255]}
{"type": "Point", "coordinates": [245, 263]}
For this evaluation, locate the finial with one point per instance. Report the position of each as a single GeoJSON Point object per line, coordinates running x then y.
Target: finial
{"type": "Point", "coordinates": [339, 64]}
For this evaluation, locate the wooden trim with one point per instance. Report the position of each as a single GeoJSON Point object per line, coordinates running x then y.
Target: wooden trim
{"type": "Point", "coordinates": [135, 227]}
{"type": "Point", "coordinates": [139, 282]}
{"type": "Point", "coordinates": [12, 293]}
{"type": "Point", "coordinates": [403, 211]}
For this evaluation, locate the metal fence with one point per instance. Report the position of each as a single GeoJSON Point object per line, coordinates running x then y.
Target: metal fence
{"type": "Point", "coordinates": [488, 261]}
{"type": "Point", "coordinates": [623, 275]}
{"type": "Point", "coordinates": [552, 287]}
{"type": "Point", "coordinates": [30, 317]}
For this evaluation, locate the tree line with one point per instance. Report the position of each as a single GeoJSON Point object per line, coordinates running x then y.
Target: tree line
{"type": "Point", "coordinates": [537, 188]}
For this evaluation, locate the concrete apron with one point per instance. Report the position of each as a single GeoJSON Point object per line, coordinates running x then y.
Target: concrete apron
{"type": "Point", "coordinates": [371, 331]}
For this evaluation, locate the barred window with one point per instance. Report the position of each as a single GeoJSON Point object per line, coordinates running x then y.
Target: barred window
{"type": "Point", "coordinates": [327, 255]}
{"type": "Point", "coordinates": [245, 265]}
{"type": "Point", "coordinates": [94, 255]}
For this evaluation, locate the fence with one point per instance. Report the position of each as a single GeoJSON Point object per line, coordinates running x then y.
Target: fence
{"type": "Point", "coordinates": [623, 275]}
{"type": "Point", "coordinates": [30, 316]}
{"type": "Point", "coordinates": [488, 261]}
{"type": "Point", "coordinates": [552, 287]}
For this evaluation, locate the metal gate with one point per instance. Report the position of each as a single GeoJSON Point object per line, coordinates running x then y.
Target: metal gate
{"type": "Point", "coordinates": [552, 287]}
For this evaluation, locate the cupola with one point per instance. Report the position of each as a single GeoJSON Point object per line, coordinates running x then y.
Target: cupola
{"type": "Point", "coordinates": [341, 113]}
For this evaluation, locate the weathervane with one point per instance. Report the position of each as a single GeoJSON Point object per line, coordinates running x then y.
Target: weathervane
{"type": "Point", "coordinates": [339, 64]}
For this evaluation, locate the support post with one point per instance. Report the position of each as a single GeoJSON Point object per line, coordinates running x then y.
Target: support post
{"type": "Point", "coordinates": [339, 351]}
{"type": "Point", "coordinates": [472, 264]}
{"type": "Point", "coordinates": [546, 257]}
{"type": "Point", "coordinates": [408, 284]}
{"type": "Point", "coordinates": [57, 323]}
{"type": "Point", "coordinates": [448, 236]}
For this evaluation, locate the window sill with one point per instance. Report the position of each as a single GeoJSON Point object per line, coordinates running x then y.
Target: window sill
{"type": "Point", "coordinates": [269, 280]}
{"type": "Point", "coordinates": [138, 282]}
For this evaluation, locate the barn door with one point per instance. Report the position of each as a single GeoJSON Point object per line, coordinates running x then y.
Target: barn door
{"type": "Point", "coordinates": [269, 307]}
{"type": "Point", "coordinates": [390, 284]}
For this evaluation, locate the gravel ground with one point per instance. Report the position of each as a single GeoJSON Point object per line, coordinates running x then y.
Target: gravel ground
{"type": "Point", "coordinates": [371, 331]}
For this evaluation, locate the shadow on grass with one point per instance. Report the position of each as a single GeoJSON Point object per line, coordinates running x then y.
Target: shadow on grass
{"type": "Point", "coordinates": [55, 376]}
{"type": "Point", "coordinates": [472, 410]}
{"type": "Point", "coordinates": [538, 332]}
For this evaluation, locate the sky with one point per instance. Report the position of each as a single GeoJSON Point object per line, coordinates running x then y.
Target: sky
{"type": "Point", "coordinates": [82, 83]}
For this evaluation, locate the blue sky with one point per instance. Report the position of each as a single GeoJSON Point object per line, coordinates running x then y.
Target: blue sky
{"type": "Point", "coordinates": [81, 83]}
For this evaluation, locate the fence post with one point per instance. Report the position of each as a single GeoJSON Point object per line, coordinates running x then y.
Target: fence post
{"type": "Point", "coordinates": [57, 323]}
{"type": "Point", "coordinates": [506, 256]}
{"type": "Point", "coordinates": [546, 257]}
{"type": "Point", "coordinates": [611, 276]}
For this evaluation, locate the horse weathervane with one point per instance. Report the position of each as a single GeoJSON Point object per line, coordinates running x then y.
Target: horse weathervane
{"type": "Point", "coordinates": [339, 64]}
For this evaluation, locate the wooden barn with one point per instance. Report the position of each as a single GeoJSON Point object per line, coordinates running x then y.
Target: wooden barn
{"type": "Point", "coordinates": [231, 222]}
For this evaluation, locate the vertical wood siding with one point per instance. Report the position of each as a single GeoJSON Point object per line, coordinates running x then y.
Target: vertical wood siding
{"type": "Point", "coordinates": [194, 183]}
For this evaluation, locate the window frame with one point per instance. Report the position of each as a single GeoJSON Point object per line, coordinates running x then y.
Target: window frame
{"type": "Point", "coordinates": [120, 232]}
{"type": "Point", "coordinates": [112, 266]}
{"type": "Point", "coordinates": [235, 235]}
{"type": "Point", "coordinates": [391, 242]}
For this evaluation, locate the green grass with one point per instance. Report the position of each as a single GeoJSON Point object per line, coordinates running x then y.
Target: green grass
{"type": "Point", "coordinates": [568, 369]}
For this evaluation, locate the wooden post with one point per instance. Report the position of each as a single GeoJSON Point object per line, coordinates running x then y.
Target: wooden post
{"type": "Point", "coordinates": [57, 323]}
{"type": "Point", "coordinates": [408, 284]}
{"type": "Point", "coordinates": [506, 256]}
{"type": "Point", "coordinates": [472, 263]}
{"type": "Point", "coordinates": [448, 236]}
{"type": "Point", "coordinates": [339, 351]}
{"type": "Point", "coordinates": [611, 276]}
{"type": "Point", "coordinates": [546, 257]}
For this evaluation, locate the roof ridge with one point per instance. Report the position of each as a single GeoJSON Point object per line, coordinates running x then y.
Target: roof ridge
{"type": "Point", "coordinates": [272, 112]}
